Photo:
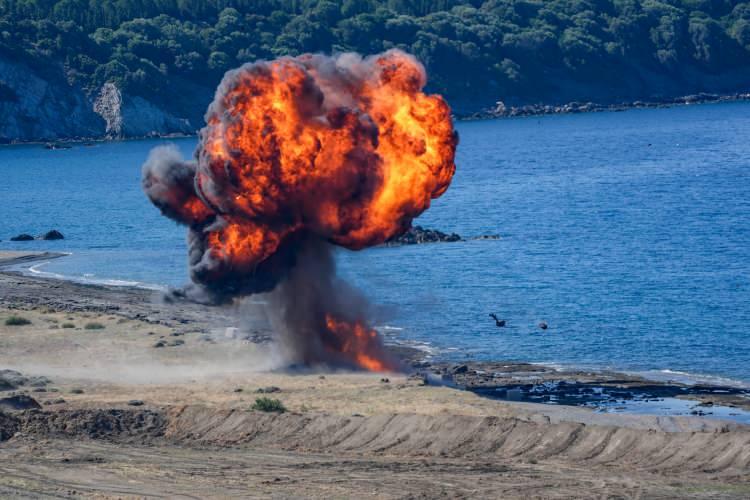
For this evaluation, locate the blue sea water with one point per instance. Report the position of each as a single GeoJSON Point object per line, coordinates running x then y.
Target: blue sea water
{"type": "Point", "coordinates": [628, 233]}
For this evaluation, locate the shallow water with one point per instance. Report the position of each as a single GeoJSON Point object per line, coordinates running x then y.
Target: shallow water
{"type": "Point", "coordinates": [660, 400]}
{"type": "Point", "coordinates": [674, 407]}
{"type": "Point", "coordinates": [628, 233]}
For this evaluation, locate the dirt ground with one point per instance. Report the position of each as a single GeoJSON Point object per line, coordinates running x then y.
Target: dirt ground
{"type": "Point", "coordinates": [103, 470]}
{"type": "Point", "coordinates": [138, 398]}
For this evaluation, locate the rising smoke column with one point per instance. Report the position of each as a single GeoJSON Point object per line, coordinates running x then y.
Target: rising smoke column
{"type": "Point", "coordinates": [299, 154]}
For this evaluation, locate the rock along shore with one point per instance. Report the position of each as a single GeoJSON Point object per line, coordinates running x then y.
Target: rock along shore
{"type": "Point", "coordinates": [501, 110]}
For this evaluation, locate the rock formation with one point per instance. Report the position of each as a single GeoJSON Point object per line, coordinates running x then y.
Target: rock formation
{"type": "Point", "coordinates": [40, 104]}
{"type": "Point", "coordinates": [52, 235]}
{"type": "Point", "coordinates": [36, 106]}
{"type": "Point", "coordinates": [418, 235]}
{"type": "Point", "coordinates": [22, 237]}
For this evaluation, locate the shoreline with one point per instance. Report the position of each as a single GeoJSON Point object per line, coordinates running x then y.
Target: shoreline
{"type": "Point", "coordinates": [412, 354]}
{"type": "Point", "coordinates": [83, 141]}
{"type": "Point", "coordinates": [10, 258]}
{"type": "Point", "coordinates": [577, 107]}
{"type": "Point", "coordinates": [500, 111]}
{"type": "Point", "coordinates": [33, 292]}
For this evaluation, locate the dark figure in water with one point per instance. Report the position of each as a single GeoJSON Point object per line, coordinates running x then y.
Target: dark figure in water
{"type": "Point", "coordinates": [543, 325]}
{"type": "Point", "coordinates": [498, 322]}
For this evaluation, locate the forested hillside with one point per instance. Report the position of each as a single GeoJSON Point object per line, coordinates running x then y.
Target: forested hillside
{"type": "Point", "coordinates": [172, 53]}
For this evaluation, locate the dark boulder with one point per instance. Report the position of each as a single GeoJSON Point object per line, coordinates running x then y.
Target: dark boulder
{"type": "Point", "coordinates": [11, 379]}
{"type": "Point", "coordinates": [22, 237]}
{"type": "Point", "coordinates": [52, 235]}
{"type": "Point", "coordinates": [19, 402]}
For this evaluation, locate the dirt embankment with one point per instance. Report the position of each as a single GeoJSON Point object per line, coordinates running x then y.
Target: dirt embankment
{"type": "Point", "coordinates": [408, 435]}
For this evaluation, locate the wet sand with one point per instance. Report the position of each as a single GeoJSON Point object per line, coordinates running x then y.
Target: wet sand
{"type": "Point", "coordinates": [120, 416]}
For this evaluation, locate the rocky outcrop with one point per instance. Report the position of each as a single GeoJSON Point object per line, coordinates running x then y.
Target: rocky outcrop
{"type": "Point", "coordinates": [39, 104]}
{"type": "Point", "coordinates": [19, 402]}
{"type": "Point", "coordinates": [127, 116]}
{"type": "Point", "coordinates": [11, 379]}
{"type": "Point", "coordinates": [108, 105]}
{"type": "Point", "coordinates": [22, 237]}
{"type": "Point", "coordinates": [142, 118]}
{"type": "Point", "coordinates": [52, 235]}
{"type": "Point", "coordinates": [417, 235]}
{"type": "Point", "coordinates": [49, 235]}
{"type": "Point", "coordinates": [502, 110]}
{"type": "Point", "coordinates": [36, 106]}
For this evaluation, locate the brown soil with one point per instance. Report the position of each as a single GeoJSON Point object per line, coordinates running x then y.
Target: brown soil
{"type": "Point", "coordinates": [122, 418]}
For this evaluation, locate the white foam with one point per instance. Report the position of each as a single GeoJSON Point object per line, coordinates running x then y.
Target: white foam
{"type": "Point", "coordinates": [693, 378]}
{"type": "Point", "coordinates": [89, 280]}
{"type": "Point", "coordinates": [662, 375]}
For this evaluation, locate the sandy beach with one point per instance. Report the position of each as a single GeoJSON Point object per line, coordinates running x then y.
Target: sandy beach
{"type": "Point", "coordinates": [111, 392]}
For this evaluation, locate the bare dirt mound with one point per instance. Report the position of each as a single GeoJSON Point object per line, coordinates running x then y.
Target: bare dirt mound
{"type": "Point", "coordinates": [407, 435]}
{"type": "Point", "coordinates": [109, 424]}
{"type": "Point", "coordinates": [466, 436]}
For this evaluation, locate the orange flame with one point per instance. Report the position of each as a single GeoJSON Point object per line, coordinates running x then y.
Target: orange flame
{"type": "Point", "coordinates": [359, 344]}
{"type": "Point", "coordinates": [344, 149]}
{"type": "Point", "coordinates": [280, 147]}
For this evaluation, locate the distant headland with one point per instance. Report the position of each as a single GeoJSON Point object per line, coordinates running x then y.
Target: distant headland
{"type": "Point", "coordinates": [137, 69]}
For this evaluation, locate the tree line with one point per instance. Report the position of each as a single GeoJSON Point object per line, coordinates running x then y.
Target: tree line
{"type": "Point", "coordinates": [517, 48]}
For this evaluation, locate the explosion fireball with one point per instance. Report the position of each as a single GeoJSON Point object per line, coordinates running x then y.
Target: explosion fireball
{"type": "Point", "coordinates": [297, 153]}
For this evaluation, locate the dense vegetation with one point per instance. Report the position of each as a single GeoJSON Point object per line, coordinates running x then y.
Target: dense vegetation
{"type": "Point", "coordinates": [515, 49]}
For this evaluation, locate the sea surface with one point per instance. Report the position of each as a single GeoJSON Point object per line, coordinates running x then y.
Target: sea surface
{"type": "Point", "coordinates": [627, 233]}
